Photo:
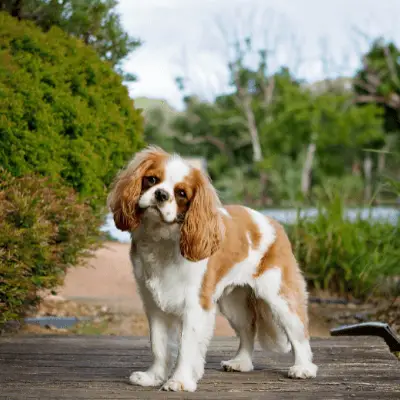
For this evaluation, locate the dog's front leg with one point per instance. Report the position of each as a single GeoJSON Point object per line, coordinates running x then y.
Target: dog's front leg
{"type": "Point", "coordinates": [161, 336]}
{"type": "Point", "coordinates": [197, 330]}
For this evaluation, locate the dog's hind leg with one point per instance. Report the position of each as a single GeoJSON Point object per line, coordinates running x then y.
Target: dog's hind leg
{"type": "Point", "coordinates": [237, 305]}
{"type": "Point", "coordinates": [289, 311]}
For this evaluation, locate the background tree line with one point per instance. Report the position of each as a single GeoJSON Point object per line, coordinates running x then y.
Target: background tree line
{"type": "Point", "coordinates": [95, 22]}
{"type": "Point", "coordinates": [276, 140]}
{"type": "Point", "coordinates": [273, 139]}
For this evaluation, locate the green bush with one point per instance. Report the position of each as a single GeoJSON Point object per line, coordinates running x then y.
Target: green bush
{"type": "Point", "coordinates": [44, 229]}
{"type": "Point", "coordinates": [357, 258]}
{"type": "Point", "coordinates": [63, 112]}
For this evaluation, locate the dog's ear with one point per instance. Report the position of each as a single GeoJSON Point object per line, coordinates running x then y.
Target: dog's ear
{"type": "Point", "coordinates": [127, 188]}
{"type": "Point", "coordinates": [124, 196]}
{"type": "Point", "coordinates": [203, 229]}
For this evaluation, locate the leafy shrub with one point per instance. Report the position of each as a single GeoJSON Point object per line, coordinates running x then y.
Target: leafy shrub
{"type": "Point", "coordinates": [63, 112]}
{"type": "Point", "coordinates": [357, 257]}
{"type": "Point", "coordinates": [44, 229]}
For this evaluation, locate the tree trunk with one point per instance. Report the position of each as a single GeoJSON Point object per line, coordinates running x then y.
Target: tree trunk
{"type": "Point", "coordinates": [251, 123]}
{"type": "Point", "coordinates": [16, 10]}
{"type": "Point", "coordinates": [307, 170]}
{"type": "Point", "coordinates": [264, 199]}
{"type": "Point", "coordinates": [368, 178]}
{"type": "Point", "coordinates": [381, 161]}
{"type": "Point", "coordinates": [356, 168]}
{"type": "Point", "coordinates": [381, 167]}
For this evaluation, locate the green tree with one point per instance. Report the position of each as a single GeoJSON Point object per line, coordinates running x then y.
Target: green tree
{"type": "Point", "coordinates": [378, 82]}
{"type": "Point", "coordinates": [329, 121]}
{"type": "Point", "coordinates": [63, 112]}
{"type": "Point", "coordinates": [95, 22]}
{"type": "Point", "coordinates": [273, 136]}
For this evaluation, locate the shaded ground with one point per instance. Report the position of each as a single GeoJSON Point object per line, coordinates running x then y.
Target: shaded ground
{"type": "Point", "coordinates": [105, 290]}
{"type": "Point", "coordinates": [98, 368]}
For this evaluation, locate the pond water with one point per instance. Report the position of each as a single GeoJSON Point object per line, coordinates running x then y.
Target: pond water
{"type": "Point", "coordinates": [286, 216]}
{"type": "Point", "coordinates": [58, 322]}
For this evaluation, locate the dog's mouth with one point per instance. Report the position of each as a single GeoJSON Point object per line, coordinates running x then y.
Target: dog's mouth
{"type": "Point", "coordinates": [178, 219]}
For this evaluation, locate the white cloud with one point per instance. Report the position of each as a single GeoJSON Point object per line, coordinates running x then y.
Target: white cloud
{"type": "Point", "coordinates": [182, 37]}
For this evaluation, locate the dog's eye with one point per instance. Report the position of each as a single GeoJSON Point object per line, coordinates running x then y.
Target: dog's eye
{"type": "Point", "coordinates": [151, 180]}
{"type": "Point", "coordinates": [181, 193]}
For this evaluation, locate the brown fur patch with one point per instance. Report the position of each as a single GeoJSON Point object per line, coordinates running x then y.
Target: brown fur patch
{"type": "Point", "coordinates": [157, 170]}
{"type": "Point", "coordinates": [183, 202]}
{"type": "Point", "coordinates": [202, 228]}
{"type": "Point", "coordinates": [234, 249]}
{"type": "Point", "coordinates": [293, 288]}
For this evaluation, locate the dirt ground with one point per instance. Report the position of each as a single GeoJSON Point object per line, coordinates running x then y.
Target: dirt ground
{"type": "Point", "coordinates": [105, 290]}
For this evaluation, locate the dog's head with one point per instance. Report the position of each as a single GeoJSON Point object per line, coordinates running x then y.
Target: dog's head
{"type": "Point", "coordinates": [161, 186]}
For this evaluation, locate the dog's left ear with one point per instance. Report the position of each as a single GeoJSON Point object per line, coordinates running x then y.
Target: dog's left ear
{"type": "Point", "coordinates": [203, 229]}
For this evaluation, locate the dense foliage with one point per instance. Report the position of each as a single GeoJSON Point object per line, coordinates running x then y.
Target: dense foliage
{"type": "Point", "coordinates": [274, 140]}
{"type": "Point", "coordinates": [378, 82]}
{"type": "Point", "coordinates": [44, 229]}
{"type": "Point", "coordinates": [296, 118]}
{"type": "Point", "coordinates": [95, 22]}
{"type": "Point", "coordinates": [63, 112]}
{"type": "Point", "coordinates": [358, 258]}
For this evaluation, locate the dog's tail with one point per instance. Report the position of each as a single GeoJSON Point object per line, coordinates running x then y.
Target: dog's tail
{"type": "Point", "coordinates": [270, 334]}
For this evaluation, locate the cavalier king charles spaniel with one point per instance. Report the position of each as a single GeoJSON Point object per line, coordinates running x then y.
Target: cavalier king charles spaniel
{"type": "Point", "coordinates": [190, 256]}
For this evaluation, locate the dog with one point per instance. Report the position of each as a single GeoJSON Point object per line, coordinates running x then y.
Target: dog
{"type": "Point", "coordinates": [192, 256]}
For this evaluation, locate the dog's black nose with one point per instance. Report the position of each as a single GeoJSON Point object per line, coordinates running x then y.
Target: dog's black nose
{"type": "Point", "coordinates": [161, 195]}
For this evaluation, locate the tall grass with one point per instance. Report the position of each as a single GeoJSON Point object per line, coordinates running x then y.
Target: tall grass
{"type": "Point", "coordinates": [357, 258]}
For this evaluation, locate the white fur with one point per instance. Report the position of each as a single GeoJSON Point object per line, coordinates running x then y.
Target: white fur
{"type": "Point", "coordinates": [169, 286]}
{"type": "Point", "coordinates": [267, 287]}
{"type": "Point", "coordinates": [223, 211]}
{"type": "Point", "coordinates": [234, 305]}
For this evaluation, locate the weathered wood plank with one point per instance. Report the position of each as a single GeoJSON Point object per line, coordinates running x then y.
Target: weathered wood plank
{"type": "Point", "coordinates": [98, 367]}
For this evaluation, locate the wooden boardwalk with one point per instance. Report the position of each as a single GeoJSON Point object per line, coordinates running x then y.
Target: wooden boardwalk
{"type": "Point", "coordinates": [72, 367]}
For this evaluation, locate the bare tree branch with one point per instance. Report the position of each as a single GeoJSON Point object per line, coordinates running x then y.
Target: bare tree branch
{"type": "Point", "coordinates": [243, 99]}
{"type": "Point", "coordinates": [392, 101]}
{"type": "Point", "coordinates": [189, 139]}
{"type": "Point", "coordinates": [268, 90]}
{"type": "Point", "coordinates": [369, 88]}
{"type": "Point", "coordinates": [391, 66]}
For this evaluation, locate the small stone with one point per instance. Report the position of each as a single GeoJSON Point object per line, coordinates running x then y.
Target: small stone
{"type": "Point", "coordinates": [104, 309]}
{"type": "Point", "coordinates": [12, 326]}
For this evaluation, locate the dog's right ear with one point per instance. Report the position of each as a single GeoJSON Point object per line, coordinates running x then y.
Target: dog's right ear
{"type": "Point", "coordinates": [127, 188]}
{"type": "Point", "coordinates": [124, 197]}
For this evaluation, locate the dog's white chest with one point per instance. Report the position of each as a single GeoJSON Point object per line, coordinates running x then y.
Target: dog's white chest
{"type": "Point", "coordinates": [167, 292]}
{"type": "Point", "coordinates": [171, 281]}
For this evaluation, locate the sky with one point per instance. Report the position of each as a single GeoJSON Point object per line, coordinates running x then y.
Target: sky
{"type": "Point", "coordinates": [193, 39]}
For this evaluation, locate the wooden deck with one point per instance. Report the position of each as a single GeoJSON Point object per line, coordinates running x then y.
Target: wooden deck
{"type": "Point", "coordinates": [71, 367]}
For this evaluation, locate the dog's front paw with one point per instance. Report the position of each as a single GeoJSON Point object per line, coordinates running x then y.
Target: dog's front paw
{"type": "Point", "coordinates": [303, 371]}
{"type": "Point", "coordinates": [179, 385]}
{"type": "Point", "coordinates": [145, 379]}
{"type": "Point", "coordinates": [237, 365]}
